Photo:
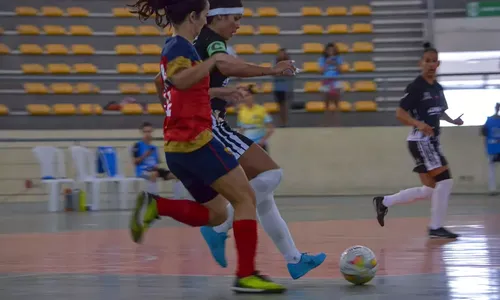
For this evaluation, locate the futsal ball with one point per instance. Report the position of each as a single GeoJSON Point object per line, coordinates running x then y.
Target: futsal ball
{"type": "Point", "coordinates": [358, 264]}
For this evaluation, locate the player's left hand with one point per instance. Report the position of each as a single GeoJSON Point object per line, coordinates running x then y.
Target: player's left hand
{"type": "Point", "coordinates": [458, 121]}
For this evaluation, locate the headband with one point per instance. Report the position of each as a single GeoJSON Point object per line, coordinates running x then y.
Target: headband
{"type": "Point", "coordinates": [225, 11]}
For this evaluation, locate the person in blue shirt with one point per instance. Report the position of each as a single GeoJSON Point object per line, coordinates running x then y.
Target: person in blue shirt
{"type": "Point", "coordinates": [147, 161]}
{"type": "Point", "coordinates": [491, 132]}
{"type": "Point", "coordinates": [330, 64]}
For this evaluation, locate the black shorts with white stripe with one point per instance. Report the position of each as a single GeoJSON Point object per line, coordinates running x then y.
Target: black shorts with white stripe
{"type": "Point", "coordinates": [427, 155]}
{"type": "Point", "coordinates": [233, 140]}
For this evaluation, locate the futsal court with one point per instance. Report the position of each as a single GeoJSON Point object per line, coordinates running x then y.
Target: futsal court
{"type": "Point", "coordinates": [90, 256]}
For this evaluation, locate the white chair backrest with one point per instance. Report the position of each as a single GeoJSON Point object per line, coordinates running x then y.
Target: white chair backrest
{"type": "Point", "coordinates": [84, 162]}
{"type": "Point", "coordinates": [51, 161]}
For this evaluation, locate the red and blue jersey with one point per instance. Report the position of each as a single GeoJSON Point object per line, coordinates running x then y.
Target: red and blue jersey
{"type": "Point", "coordinates": [188, 121]}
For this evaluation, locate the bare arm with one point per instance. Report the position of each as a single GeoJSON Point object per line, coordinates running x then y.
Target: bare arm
{"type": "Point", "coordinates": [447, 118]}
{"type": "Point", "coordinates": [233, 66]}
{"type": "Point", "coordinates": [404, 117]}
{"type": "Point", "coordinates": [159, 89]}
{"type": "Point", "coordinates": [185, 78]}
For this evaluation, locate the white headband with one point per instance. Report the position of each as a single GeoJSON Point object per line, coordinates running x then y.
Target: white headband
{"type": "Point", "coordinates": [225, 11]}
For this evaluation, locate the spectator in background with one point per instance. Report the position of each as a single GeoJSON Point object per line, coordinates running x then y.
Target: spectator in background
{"type": "Point", "coordinates": [330, 64]}
{"type": "Point", "coordinates": [253, 120]}
{"type": "Point", "coordinates": [283, 88]}
{"type": "Point", "coordinates": [491, 132]}
{"type": "Point", "coordinates": [146, 160]}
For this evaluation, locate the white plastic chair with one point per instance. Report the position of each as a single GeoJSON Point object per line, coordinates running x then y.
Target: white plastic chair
{"type": "Point", "coordinates": [85, 162]}
{"type": "Point", "coordinates": [52, 173]}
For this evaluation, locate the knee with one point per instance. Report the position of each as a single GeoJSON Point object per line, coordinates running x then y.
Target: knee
{"type": "Point", "coordinates": [427, 191]}
{"type": "Point", "coordinates": [265, 203]}
{"type": "Point", "coordinates": [268, 181]}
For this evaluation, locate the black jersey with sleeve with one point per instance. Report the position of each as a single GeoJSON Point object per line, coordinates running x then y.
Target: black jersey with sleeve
{"type": "Point", "coordinates": [207, 44]}
{"type": "Point", "coordinates": [425, 102]}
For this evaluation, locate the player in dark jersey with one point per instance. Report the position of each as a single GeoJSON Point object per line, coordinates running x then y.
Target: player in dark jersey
{"type": "Point", "coordinates": [202, 163]}
{"type": "Point", "coordinates": [422, 107]}
{"type": "Point", "coordinates": [264, 174]}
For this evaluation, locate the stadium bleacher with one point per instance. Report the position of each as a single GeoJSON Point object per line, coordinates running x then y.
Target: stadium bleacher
{"type": "Point", "coordinates": [102, 53]}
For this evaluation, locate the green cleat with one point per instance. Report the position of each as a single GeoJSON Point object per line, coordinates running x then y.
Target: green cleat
{"type": "Point", "coordinates": [257, 284]}
{"type": "Point", "coordinates": [137, 227]}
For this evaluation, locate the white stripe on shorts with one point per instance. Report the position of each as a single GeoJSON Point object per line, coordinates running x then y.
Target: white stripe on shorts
{"type": "Point", "coordinates": [430, 155]}
{"type": "Point", "coordinates": [228, 138]}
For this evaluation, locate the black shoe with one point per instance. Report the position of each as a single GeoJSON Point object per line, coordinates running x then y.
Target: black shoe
{"type": "Point", "coordinates": [380, 209]}
{"type": "Point", "coordinates": [442, 233]}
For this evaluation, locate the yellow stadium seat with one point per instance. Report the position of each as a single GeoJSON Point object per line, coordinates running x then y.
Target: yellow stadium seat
{"type": "Point", "coordinates": [342, 48]}
{"type": "Point", "coordinates": [151, 68]}
{"type": "Point", "coordinates": [58, 69]}
{"type": "Point", "coordinates": [61, 88]}
{"type": "Point", "coordinates": [266, 65]}
{"type": "Point", "coordinates": [269, 48]}
{"type": "Point", "coordinates": [89, 109]}
{"type": "Point", "coordinates": [3, 110]}
{"type": "Point", "coordinates": [345, 106]}
{"type": "Point", "coordinates": [244, 49]}
{"type": "Point", "coordinates": [336, 11]}
{"type": "Point", "coordinates": [362, 47]}
{"type": "Point", "coordinates": [267, 87]}
{"type": "Point", "coordinates": [361, 10]}
{"type": "Point", "coordinates": [311, 67]}
{"type": "Point", "coordinates": [346, 87]}
{"type": "Point", "coordinates": [230, 110]}
{"type": "Point", "coordinates": [56, 49]}
{"type": "Point", "coordinates": [269, 30]}
{"type": "Point", "coordinates": [30, 49]}
{"type": "Point", "coordinates": [311, 11]}
{"type": "Point", "coordinates": [155, 109]}
{"type": "Point", "coordinates": [85, 68]}
{"type": "Point", "coordinates": [86, 88]}
{"type": "Point", "coordinates": [26, 11]}
{"type": "Point", "coordinates": [129, 88]}
{"type": "Point", "coordinates": [247, 12]}
{"type": "Point", "coordinates": [4, 49]}
{"type": "Point", "coordinates": [64, 109]}
{"type": "Point", "coordinates": [28, 30]}
{"type": "Point", "coordinates": [82, 49]}
{"type": "Point", "coordinates": [245, 30]}
{"type": "Point", "coordinates": [312, 29]}
{"type": "Point", "coordinates": [267, 12]}
{"type": "Point", "coordinates": [149, 88]}
{"type": "Point", "coordinates": [80, 30]}
{"type": "Point", "coordinates": [315, 106]}
{"type": "Point", "coordinates": [312, 48]}
{"type": "Point", "coordinates": [122, 12]}
{"type": "Point", "coordinates": [32, 69]}
{"type": "Point", "coordinates": [77, 12]}
{"type": "Point", "coordinates": [38, 109]}
{"type": "Point", "coordinates": [364, 66]}
{"type": "Point", "coordinates": [132, 109]}
{"type": "Point", "coordinates": [365, 106]}
{"type": "Point", "coordinates": [125, 30]}
{"type": "Point", "coordinates": [126, 50]}
{"type": "Point", "coordinates": [337, 29]}
{"type": "Point", "coordinates": [54, 30]}
{"type": "Point", "coordinates": [345, 68]}
{"type": "Point", "coordinates": [150, 49]}
{"type": "Point", "coordinates": [271, 107]}
{"type": "Point", "coordinates": [364, 86]}
{"type": "Point", "coordinates": [126, 68]}
{"type": "Point", "coordinates": [35, 88]}
{"type": "Point", "coordinates": [148, 30]}
{"type": "Point", "coordinates": [52, 11]}
{"type": "Point", "coordinates": [312, 86]}
{"type": "Point", "coordinates": [361, 28]}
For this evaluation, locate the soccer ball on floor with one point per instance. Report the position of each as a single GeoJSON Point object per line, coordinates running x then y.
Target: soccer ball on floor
{"type": "Point", "coordinates": [358, 264]}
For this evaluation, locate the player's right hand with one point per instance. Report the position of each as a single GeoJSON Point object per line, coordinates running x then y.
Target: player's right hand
{"type": "Point", "coordinates": [425, 129]}
{"type": "Point", "coordinates": [234, 95]}
{"type": "Point", "coordinates": [285, 67]}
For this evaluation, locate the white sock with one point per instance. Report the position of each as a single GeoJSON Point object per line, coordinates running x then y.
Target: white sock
{"type": "Point", "coordinates": [228, 224]}
{"type": "Point", "coordinates": [276, 228]}
{"type": "Point", "coordinates": [408, 195]}
{"type": "Point", "coordinates": [152, 188]}
{"type": "Point", "coordinates": [439, 205]}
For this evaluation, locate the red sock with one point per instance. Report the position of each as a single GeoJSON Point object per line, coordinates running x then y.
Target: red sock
{"type": "Point", "coordinates": [245, 235]}
{"type": "Point", "coordinates": [185, 211]}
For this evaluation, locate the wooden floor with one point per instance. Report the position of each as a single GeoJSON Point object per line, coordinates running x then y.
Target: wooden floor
{"type": "Point", "coordinates": [90, 255]}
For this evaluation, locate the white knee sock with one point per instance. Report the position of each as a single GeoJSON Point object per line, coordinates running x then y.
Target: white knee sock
{"type": "Point", "coordinates": [152, 187]}
{"type": "Point", "coordinates": [276, 228]}
{"type": "Point", "coordinates": [439, 205]}
{"type": "Point", "coordinates": [408, 195]}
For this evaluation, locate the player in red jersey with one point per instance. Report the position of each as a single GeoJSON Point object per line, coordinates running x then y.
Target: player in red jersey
{"type": "Point", "coordinates": [206, 168]}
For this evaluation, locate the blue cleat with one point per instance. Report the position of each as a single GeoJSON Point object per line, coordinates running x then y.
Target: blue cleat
{"type": "Point", "coordinates": [217, 243]}
{"type": "Point", "coordinates": [307, 263]}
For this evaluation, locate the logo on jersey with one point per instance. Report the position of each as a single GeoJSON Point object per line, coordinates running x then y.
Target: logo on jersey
{"type": "Point", "coordinates": [226, 82]}
{"type": "Point", "coordinates": [436, 110]}
{"type": "Point", "coordinates": [216, 47]}
{"type": "Point", "coordinates": [427, 96]}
